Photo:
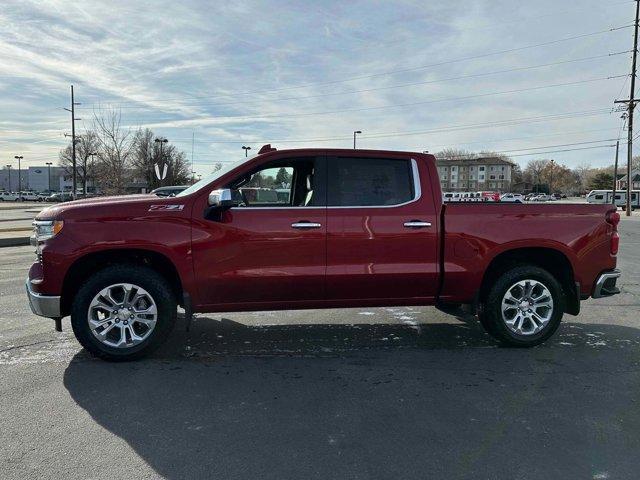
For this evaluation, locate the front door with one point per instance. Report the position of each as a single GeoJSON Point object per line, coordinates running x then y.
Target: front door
{"type": "Point", "coordinates": [270, 250]}
{"type": "Point", "coordinates": [382, 239]}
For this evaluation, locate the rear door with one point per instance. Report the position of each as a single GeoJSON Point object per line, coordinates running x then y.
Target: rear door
{"type": "Point", "coordinates": [381, 229]}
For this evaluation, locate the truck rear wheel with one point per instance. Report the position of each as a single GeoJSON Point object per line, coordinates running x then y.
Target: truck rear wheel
{"type": "Point", "coordinates": [523, 307]}
{"type": "Point", "coordinates": [123, 312]}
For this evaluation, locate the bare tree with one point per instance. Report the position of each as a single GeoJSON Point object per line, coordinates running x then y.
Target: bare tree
{"type": "Point", "coordinates": [584, 173]}
{"type": "Point", "coordinates": [455, 154]}
{"type": "Point", "coordinates": [114, 154]}
{"type": "Point", "coordinates": [533, 170]}
{"type": "Point", "coordinates": [86, 145]}
{"type": "Point", "coordinates": [146, 154]}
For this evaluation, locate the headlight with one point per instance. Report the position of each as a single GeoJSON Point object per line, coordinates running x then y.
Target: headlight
{"type": "Point", "coordinates": [46, 229]}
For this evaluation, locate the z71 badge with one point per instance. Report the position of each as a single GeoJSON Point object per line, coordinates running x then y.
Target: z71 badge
{"type": "Point", "coordinates": [155, 208]}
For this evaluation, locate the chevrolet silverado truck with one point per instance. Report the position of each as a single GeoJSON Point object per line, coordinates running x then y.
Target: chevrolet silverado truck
{"type": "Point", "coordinates": [314, 228]}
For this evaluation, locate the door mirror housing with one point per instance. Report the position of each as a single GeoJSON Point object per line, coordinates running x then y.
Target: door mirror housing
{"type": "Point", "coordinates": [223, 198]}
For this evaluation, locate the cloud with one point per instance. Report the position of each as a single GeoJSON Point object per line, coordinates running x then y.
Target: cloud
{"type": "Point", "coordinates": [249, 71]}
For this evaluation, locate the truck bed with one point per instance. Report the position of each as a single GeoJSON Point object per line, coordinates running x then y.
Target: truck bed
{"type": "Point", "coordinates": [475, 234]}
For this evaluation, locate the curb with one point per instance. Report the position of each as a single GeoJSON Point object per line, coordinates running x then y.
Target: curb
{"type": "Point", "coordinates": [14, 241]}
{"type": "Point", "coordinates": [15, 229]}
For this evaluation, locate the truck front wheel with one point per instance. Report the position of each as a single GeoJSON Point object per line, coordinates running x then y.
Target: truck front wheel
{"type": "Point", "coordinates": [123, 312]}
{"type": "Point", "coordinates": [523, 307]}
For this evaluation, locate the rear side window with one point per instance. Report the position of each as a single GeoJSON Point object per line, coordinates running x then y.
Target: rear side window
{"type": "Point", "coordinates": [369, 182]}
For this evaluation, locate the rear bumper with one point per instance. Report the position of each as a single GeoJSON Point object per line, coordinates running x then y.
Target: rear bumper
{"type": "Point", "coordinates": [43, 305]}
{"type": "Point", "coordinates": [606, 284]}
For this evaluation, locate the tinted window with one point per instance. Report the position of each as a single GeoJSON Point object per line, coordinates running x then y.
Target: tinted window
{"type": "Point", "coordinates": [369, 182]}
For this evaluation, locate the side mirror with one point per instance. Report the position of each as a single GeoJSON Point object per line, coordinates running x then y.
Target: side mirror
{"type": "Point", "coordinates": [223, 198]}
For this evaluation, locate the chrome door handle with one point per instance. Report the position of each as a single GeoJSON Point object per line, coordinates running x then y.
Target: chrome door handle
{"type": "Point", "coordinates": [416, 224]}
{"type": "Point", "coordinates": [306, 225]}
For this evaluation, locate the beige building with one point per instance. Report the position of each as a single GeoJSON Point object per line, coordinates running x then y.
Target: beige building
{"type": "Point", "coordinates": [475, 174]}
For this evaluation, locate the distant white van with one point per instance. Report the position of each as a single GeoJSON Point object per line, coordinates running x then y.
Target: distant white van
{"type": "Point", "coordinates": [605, 196]}
{"type": "Point", "coordinates": [461, 197]}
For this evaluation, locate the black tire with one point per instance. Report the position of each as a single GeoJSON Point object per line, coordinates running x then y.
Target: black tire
{"type": "Point", "coordinates": [490, 312]}
{"type": "Point", "coordinates": [142, 276]}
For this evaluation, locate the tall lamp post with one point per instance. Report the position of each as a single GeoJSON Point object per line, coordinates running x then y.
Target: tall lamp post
{"type": "Point", "coordinates": [161, 141]}
{"type": "Point", "coordinates": [246, 150]}
{"type": "Point", "coordinates": [9, 168]}
{"type": "Point", "coordinates": [48, 164]}
{"type": "Point", "coordinates": [19, 158]}
{"type": "Point", "coordinates": [354, 138]}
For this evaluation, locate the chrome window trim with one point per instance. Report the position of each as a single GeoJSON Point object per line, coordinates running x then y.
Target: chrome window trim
{"type": "Point", "coordinates": [417, 194]}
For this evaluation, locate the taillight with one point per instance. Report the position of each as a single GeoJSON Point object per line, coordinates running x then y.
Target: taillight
{"type": "Point", "coordinates": [615, 243]}
{"type": "Point", "coordinates": [613, 219]}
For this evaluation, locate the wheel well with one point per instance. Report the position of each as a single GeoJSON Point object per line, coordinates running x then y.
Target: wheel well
{"type": "Point", "coordinates": [553, 261]}
{"type": "Point", "coordinates": [85, 266]}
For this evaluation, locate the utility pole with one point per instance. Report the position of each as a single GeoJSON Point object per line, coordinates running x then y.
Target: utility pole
{"type": "Point", "coordinates": [354, 138]}
{"type": "Point", "coordinates": [73, 142]}
{"type": "Point", "coordinates": [631, 106]}
{"type": "Point", "coordinates": [9, 168]}
{"type": "Point", "coordinates": [19, 158]}
{"type": "Point", "coordinates": [615, 176]}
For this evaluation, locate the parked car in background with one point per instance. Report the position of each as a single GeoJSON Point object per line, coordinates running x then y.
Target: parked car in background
{"type": "Point", "coordinates": [29, 196]}
{"type": "Point", "coordinates": [9, 197]}
{"type": "Point", "coordinates": [60, 197]}
{"type": "Point", "coordinates": [540, 197]}
{"type": "Point", "coordinates": [362, 228]}
{"type": "Point", "coordinates": [169, 191]}
{"type": "Point", "coordinates": [512, 197]}
{"type": "Point", "coordinates": [44, 196]}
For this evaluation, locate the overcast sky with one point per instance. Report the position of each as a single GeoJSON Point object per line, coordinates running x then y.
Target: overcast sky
{"type": "Point", "coordinates": [412, 75]}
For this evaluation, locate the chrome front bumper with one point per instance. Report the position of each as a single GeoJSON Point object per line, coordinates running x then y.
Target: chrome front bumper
{"type": "Point", "coordinates": [43, 305]}
{"type": "Point", "coordinates": [606, 284]}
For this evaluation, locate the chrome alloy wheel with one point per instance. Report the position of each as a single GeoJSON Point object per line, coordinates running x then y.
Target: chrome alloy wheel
{"type": "Point", "coordinates": [122, 315]}
{"type": "Point", "coordinates": [527, 307]}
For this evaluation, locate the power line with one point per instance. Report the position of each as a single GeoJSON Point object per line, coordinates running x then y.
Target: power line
{"type": "Point", "coordinates": [407, 69]}
{"type": "Point", "coordinates": [388, 87]}
{"type": "Point", "coordinates": [550, 151]}
{"type": "Point", "coordinates": [472, 126]}
{"type": "Point", "coordinates": [472, 155]}
{"type": "Point", "coordinates": [398, 105]}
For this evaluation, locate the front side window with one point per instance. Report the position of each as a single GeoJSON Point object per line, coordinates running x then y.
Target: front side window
{"type": "Point", "coordinates": [285, 183]}
{"type": "Point", "coordinates": [363, 182]}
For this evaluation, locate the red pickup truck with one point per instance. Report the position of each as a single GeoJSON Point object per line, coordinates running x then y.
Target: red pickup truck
{"type": "Point", "coordinates": [314, 228]}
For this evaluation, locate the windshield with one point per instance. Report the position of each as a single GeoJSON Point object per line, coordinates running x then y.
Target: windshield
{"type": "Point", "coordinates": [214, 176]}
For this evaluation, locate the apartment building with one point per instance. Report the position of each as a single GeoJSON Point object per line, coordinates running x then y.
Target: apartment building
{"type": "Point", "coordinates": [475, 174]}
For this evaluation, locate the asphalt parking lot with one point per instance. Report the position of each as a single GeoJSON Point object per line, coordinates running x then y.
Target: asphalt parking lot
{"type": "Point", "coordinates": [360, 393]}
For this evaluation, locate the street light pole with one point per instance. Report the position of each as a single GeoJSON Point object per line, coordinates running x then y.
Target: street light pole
{"type": "Point", "coordinates": [48, 164]}
{"type": "Point", "coordinates": [354, 138]}
{"type": "Point", "coordinates": [246, 151]}
{"type": "Point", "coordinates": [19, 158]}
{"type": "Point", "coordinates": [9, 168]}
